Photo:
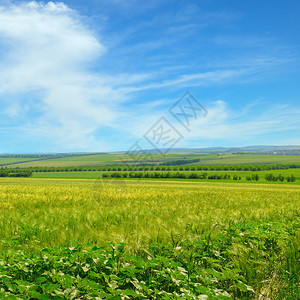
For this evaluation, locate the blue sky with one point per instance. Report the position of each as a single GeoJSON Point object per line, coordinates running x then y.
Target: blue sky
{"type": "Point", "coordinates": [95, 75]}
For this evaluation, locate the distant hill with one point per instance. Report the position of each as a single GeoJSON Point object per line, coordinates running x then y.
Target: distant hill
{"type": "Point", "coordinates": [209, 156]}
{"type": "Point", "coordinates": [287, 150]}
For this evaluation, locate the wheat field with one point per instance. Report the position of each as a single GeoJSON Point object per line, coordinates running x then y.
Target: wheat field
{"type": "Point", "coordinates": [134, 212]}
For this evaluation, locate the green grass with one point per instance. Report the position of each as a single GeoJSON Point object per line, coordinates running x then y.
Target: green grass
{"type": "Point", "coordinates": [183, 239]}
{"type": "Point", "coordinates": [242, 174]}
{"type": "Point", "coordinates": [250, 159]}
{"type": "Point", "coordinates": [80, 160]}
{"type": "Point", "coordinates": [12, 160]}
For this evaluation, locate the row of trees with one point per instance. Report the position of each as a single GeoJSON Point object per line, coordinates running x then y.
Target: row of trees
{"type": "Point", "coordinates": [271, 177]}
{"type": "Point", "coordinates": [124, 168]}
{"type": "Point", "coordinates": [180, 162]}
{"type": "Point", "coordinates": [169, 175]}
{"type": "Point", "coordinates": [254, 177]}
{"type": "Point", "coordinates": [6, 173]}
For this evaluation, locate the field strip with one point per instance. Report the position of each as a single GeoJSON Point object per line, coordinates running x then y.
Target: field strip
{"type": "Point", "coordinates": [174, 183]}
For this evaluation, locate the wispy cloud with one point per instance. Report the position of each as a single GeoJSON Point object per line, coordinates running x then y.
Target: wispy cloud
{"type": "Point", "coordinates": [242, 127]}
{"type": "Point", "coordinates": [255, 123]}
{"type": "Point", "coordinates": [197, 79]}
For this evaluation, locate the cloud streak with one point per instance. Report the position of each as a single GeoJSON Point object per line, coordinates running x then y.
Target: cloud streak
{"type": "Point", "coordinates": [233, 127]}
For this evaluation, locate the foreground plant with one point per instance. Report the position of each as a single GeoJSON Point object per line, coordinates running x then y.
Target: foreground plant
{"type": "Point", "coordinates": [238, 262]}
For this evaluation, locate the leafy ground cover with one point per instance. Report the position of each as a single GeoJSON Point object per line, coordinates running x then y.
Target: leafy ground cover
{"type": "Point", "coordinates": [241, 262]}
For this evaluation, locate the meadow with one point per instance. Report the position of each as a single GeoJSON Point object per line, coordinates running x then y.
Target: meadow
{"type": "Point", "coordinates": [163, 239]}
{"type": "Point", "coordinates": [242, 174]}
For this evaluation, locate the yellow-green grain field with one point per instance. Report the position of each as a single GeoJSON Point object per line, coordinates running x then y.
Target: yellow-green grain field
{"type": "Point", "coordinates": [134, 212]}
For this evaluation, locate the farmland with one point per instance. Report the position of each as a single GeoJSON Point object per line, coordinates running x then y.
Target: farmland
{"type": "Point", "coordinates": [13, 161]}
{"type": "Point", "coordinates": [100, 159]}
{"type": "Point", "coordinates": [218, 240]}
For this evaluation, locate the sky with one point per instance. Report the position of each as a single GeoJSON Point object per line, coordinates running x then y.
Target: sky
{"type": "Point", "coordinates": [103, 75]}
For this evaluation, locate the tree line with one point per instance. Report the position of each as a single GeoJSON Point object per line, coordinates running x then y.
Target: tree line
{"type": "Point", "coordinates": [7, 173]}
{"type": "Point", "coordinates": [198, 175]}
{"type": "Point", "coordinates": [271, 177]}
{"type": "Point", "coordinates": [131, 168]}
{"type": "Point", "coordinates": [180, 175]}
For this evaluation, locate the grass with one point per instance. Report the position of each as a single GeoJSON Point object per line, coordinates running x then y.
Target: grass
{"type": "Point", "coordinates": [218, 240]}
{"type": "Point", "coordinates": [72, 161]}
{"type": "Point", "coordinates": [242, 174]}
{"type": "Point", "coordinates": [250, 159]}
{"type": "Point", "coordinates": [13, 160]}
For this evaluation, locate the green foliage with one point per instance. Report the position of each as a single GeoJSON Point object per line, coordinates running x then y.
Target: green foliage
{"type": "Point", "coordinates": [271, 177]}
{"type": "Point", "coordinates": [235, 263]}
{"type": "Point", "coordinates": [20, 173]}
{"type": "Point", "coordinates": [195, 175]}
{"type": "Point", "coordinates": [291, 178]}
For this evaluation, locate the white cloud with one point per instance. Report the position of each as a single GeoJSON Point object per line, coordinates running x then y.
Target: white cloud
{"type": "Point", "coordinates": [46, 50]}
